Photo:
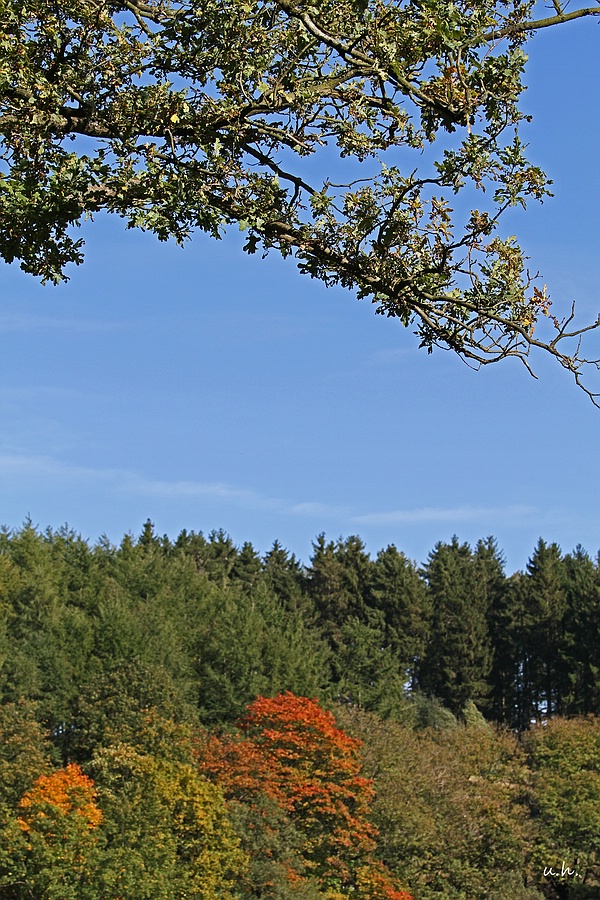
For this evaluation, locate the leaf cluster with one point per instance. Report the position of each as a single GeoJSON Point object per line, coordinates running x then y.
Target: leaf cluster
{"type": "Point", "coordinates": [202, 114]}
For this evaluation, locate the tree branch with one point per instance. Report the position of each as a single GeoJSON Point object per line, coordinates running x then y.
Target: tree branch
{"type": "Point", "coordinates": [524, 27]}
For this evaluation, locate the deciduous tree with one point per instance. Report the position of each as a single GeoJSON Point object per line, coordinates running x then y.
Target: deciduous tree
{"type": "Point", "coordinates": [167, 831]}
{"type": "Point", "coordinates": [449, 806]}
{"type": "Point", "coordinates": [56, 856]}
{"type": "Point", "coordinates": [292, 751]}
{"type": "Point", "coordinates": [202, 113]}
{"type": "Point", "coordinates": [565, 759]}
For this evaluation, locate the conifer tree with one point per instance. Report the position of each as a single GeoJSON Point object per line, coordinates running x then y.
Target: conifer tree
{"type": "Point", "coordinates": [366, 671]}
{"type": "Point", "coordinates": [249, 644]}
{"type": "Point", "coordinates": [457, 658]}
{"type": "Point", "coordinates": [510, 703]}
{"type": "Point", "coordinates": [215, 556]}
{"type": "Point", "coordinates": [545, 598]}
{"type": "Point", "coordinates": [400, 595]}
{"type": "Point", "coordinates": [247, 568]}
{"type": "Point", "coordinates": [492, 585]}
{"type": "Point", "coordinates": [285, 576]}
{"type": "Point", "coordinates": [338, 580]}
{"type": "Point", "coordinates": [581, 634]}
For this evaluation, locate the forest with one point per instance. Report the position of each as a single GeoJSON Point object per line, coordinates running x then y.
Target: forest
{"type": "Point", "coordinates": [189, 719]}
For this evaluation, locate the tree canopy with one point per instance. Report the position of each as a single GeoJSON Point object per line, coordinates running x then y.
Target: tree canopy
{"type": "Point", "coordinates": [122, 778]}
{"type": "Point", "coordinates": [203, 113]}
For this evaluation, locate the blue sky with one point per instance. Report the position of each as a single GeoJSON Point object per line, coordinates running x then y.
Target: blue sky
{"type": "Point", "coordinates": [204, 389]}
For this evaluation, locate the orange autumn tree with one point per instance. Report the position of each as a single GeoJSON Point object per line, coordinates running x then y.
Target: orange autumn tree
{"type": "Point", "coordinates": [57, 796]}
{"type": "Point", "coordinates": [56, 856]}
{"type": "Point", "coordinates": [289, 750]}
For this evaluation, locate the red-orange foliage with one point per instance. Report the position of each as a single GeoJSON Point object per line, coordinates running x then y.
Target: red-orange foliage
{"type": "Point", "coordinates": [63, 793]}
{"type": "Point", "coordinates": [291, 750]}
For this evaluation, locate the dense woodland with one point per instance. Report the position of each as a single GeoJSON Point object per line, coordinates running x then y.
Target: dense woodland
{"type": "Point", "coordinates": [188, 719]}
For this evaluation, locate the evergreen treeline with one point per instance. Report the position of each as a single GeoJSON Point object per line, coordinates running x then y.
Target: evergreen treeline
{"type": "Point", "coordinates": [228, 625]}
{"type": "Point", "coordinates": [121, 667]}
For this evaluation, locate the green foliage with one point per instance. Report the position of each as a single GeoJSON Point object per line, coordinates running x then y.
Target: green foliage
{"type": "Point", "coordinates": [54, 857]}
{"type": "Point", "coordinates": [199, 115]}
{"type": "Point", "coordinates": [167, 833]}
{"type": "Point", "coordinates": [449, 804]}
{"type": "Point", "coordinates": [375, 616]}
{"type": "Point", "coordinates": [581, 651]}
{"type": "Point", "coordinates": [458, 656]}
{"type": "Point", "coordinates": [216, 625]}
{"type": "Point", "coordinates": [366, 669]}
{"type": "Point", "coordinates": [130, 660]}
{"type": "Point", "coordinates": [338, 580]}
{"type": "Point", "coordinates": [24, 751]}
{"type": "Point", "coordinates": [400, 594]}
{"type": "Point", "coordinates": [546, 604]}
{"type": "Point", "coordinates": [132, 703]}
{"type": "Point", "coordinates": [284, 575]}
{"type": "Point", "coordinates": [565, 757]}
{"type": "Point", "coordinates": [273, 844]}
{"type": "Point", "coordinates": [249, 645]}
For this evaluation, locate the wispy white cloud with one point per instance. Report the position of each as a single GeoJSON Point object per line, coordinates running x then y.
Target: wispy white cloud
{"type": "Point", "coordinates": [123, 482]}
{"type": "Point", "coordinates": [128, 482]}
{"type": "Point", "coordinates": [14, 322]}
{"type": "Point", "coordinates": [320, 510]}
{"type": "Point", "coordinates": [42, 393]}
{"type": "Point", "coordinates": [443, 514]}
{"type": "Point", "coordinates": [47, 467]}
{"type": "Point", "coordinates": [214, 490]}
